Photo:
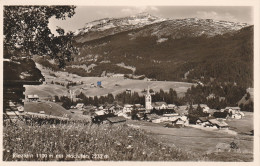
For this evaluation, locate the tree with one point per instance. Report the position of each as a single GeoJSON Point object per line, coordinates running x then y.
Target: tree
{"type": "Point", "coordinates": [110, 98]}
{"type": "Point", "coordinates": [26, 30]}
{"type": "Point", "coordinates": [66, 102]}
{"type": "Point", "coordinates": [56, 98]}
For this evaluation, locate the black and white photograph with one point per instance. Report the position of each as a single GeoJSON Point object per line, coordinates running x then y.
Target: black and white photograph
{"type": "Point", "coordinates": [132, 83]}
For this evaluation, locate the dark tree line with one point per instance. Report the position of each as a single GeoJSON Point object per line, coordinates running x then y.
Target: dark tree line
{"type": "Point", "coordinates": [170, 97]}
{"type": "Point", "coordinates": [224, 94]}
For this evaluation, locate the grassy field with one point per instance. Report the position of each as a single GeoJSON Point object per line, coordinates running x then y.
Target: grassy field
{"type": "Point", "coordinates": [51, 108]}
{"type": "Point", "coordinates": [134, 140]}
{"type": "Point", "coordinates": [243, 125]}
{"type": "Point", "coordinates": [202, 141]}
{"type": "Point", "coordinates": [107, 83]}
{"type": "Point", "coordinates": [99, 142]}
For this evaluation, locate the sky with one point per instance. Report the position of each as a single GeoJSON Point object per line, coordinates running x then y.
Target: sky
{"type": "Point", "coordinates": [85, 14]}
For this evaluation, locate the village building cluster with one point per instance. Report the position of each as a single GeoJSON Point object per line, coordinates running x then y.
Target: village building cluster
{"type": "Point", "coordinates": [161, 112]}
{"type": "Point", "coordinates": [155, 112]}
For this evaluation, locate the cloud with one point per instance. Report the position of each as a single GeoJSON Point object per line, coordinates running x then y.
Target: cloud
{"type": "Point", "coordinates": [216, 16]}
{"type": "Point", "coordinates": [139, 9]}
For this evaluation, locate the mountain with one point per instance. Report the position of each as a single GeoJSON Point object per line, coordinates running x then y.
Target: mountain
{"type": "Point", "coordinates": [175, 28]}
{"type": "Point", "coordinates": [109, 26]}
{"type": "Point", "coordinates": [189, 49]}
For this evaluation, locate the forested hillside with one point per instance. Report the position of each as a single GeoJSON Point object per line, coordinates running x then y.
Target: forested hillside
{"type": "Point", "coordinates": [226, 58]}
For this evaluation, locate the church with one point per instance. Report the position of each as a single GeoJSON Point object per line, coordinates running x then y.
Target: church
{"type": "Point", "coordinates": [148, 101]}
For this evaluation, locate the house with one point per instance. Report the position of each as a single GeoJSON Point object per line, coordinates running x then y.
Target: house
{"type": "Point", "coordinates": [139, 107]}
{"type": "Point", "coordinates": [172, 119]}
{"type": "Point", "coordinates": [159, 105]}
{"type": "Point", "coordinates": [112, 108]}
{"type": "Point", "coordinates": [218, 124]}
{"type": "Point", "coordinates": [128, 91]}
{"type": "Point", "coordinates": [117, 119]}
{"type": "Point", "coordinates": [33, 98]}
{"type": "Point", "coordinates": [211, 111]}
{"type": "Point", "coordinates": [235, 112]}
{"type": "Point", "coordinates": [237, 115]}
{"type": "Point", "coordinates": [171, 106]}
{"type": "Point", "coordinates": [80, 106]}
{"type": "Point", "coordinates": [92, 85]}
{"type": "Point", "coordinates": [99, 113]}
{"type": "Point", "coordinates": [232, 110]}
{"type": "Point", "coordinates": [203, 121]}
{"type": "Point", "coordinates": [118, 75]}
{"type": "Point", "coordinates": [127, 108]}
{"type": "Point", "coordinates": [20, 108]}
{"type": "Point", "coordinates": [41, 112]}
{"type": "Point", "coordinates": [181, 122]}
{"type": "Point", "coordinates": [14, 114]}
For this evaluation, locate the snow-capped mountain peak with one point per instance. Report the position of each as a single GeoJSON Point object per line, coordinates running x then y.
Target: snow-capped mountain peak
{"type": "Point", "coordinates": [130, 22]}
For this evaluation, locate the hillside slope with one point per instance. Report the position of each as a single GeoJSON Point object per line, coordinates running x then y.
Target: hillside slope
{"type": "Point", "coordinates": [189, 50]}
{"type": "Point", "coordinates": [227, 57]}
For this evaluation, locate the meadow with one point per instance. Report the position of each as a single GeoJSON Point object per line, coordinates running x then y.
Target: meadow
{"type": "Point", "coordinates": [66, 142]}
{"type": "Point", "coordinates": [130, 141]}
{"type": "Point", "coordinates": [112, 85]}
{"type": "Point", "coordinates": [204, 142]}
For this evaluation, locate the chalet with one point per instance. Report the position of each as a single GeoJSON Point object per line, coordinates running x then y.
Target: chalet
{"type": "Point", "coordinates": [20, 108]}
{"type": "Point", "coordinates": [13, 114]}
{"type": "Point", "coordinates": [127, 108]}
{"type": "Point", "coordinates": [117, 119]}
{"type": "Point", "coordinates": [118, 75]}
{"type": "Point", "coordinates": [159, 105]}
{"type": "Point", "coordinates": [171, 106]}
{"type": "Point", "coordinates": [237, 115]}
{"type": "Point", "coordinates": [232, 110]}
{"type": "Point", "coordinates": [33, 97]}
{"type": "Point", "coordinates": [92, 85]}
{"type": "Point", "coordinates": [80, 106]}
{"type": "Point", "coordinates": [166, 117]}
{"type": "Point", "coordinates": [181, 122]}
{"type": "Point", "coordinates": [112, 108]}
{"type": "Point", "coordinates": [41, 112]}
{"type": "Point", "coordinates": [178, 123]}
{"type": "Point", "coordinates": [100, 116]}
{"type": "Point", "coordinates": [139, 107]}
{"type": "Point", "coordinates": [204, 121]}
{"type": "Point", "coordinates": [99, 113]}
{"type": "Point", "coordinates": [218, 124]}
{"type": "Point", "coordinates": [128, 91]}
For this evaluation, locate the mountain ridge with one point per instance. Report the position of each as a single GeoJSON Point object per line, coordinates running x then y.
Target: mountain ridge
{"type": "Point", "coordinates": [110, 26]}
{"type": "Point", "coordinates": [168, 50]}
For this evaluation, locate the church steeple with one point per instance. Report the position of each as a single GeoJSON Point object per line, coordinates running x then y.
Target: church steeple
{"type": "Point", "coordinates": [148, 100]}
